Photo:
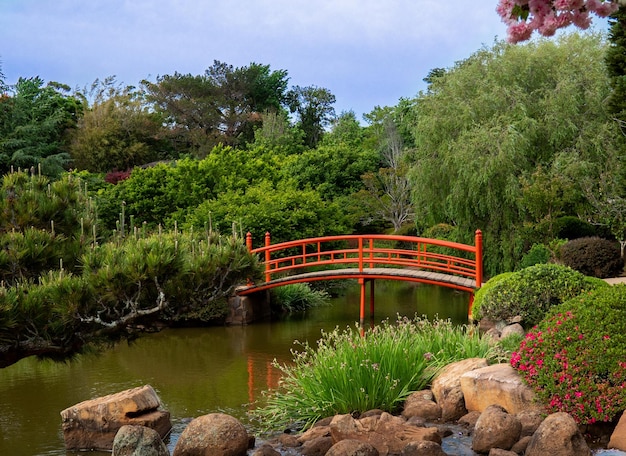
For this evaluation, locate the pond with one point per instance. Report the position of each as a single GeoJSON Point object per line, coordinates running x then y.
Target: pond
{"type": "Point", "coordinates": [194, 371]}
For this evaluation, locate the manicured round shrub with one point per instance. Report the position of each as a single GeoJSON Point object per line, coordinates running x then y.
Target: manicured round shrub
{"type": "Point", "coordinates": [531, 292]}
{"type": "Point", "coordinates": [570, 227]}
{"type": "Point", "coordinates": [479, 295]}
{"type": "Point", "coordinates": [575, 359]}
{"type": "Point", "coordinates": [593, 256]}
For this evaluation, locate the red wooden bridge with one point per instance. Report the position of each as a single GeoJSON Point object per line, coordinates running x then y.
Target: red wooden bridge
{"type": "Point", "coordinates": [369, 257]}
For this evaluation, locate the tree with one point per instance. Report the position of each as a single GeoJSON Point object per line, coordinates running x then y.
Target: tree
{"type": "Point", "coordinates": [492, 120]}
{"type": "Point", "coordinates": [34, 122]}
{"type": "Point", "coordinates": [314, 109]}
{"type": "Point", "coordinates": [118, 131]}
{"type": "Point", "coordinates": [220, 106]}
{"type": "Point", "coordinates": [616, 66]}
{"type": "Point", "coordinates": [523, 17]}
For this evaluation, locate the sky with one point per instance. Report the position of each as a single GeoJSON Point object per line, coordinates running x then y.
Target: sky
{"type": "Point", "coordinates": [368, 53]}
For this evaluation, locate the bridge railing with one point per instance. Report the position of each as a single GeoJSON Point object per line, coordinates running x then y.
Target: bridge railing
{"type": "Point", "coordinates": [370, 251]}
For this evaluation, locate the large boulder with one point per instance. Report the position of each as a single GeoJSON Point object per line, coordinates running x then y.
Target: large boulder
{"type": "Point", "coordinates": [558, 435]}
{"type": "Point", "coordinates": [215, 434]}
{"type": "Point", "coordinates": [352, 448]}
{"type": "Point", "coordinates": [92, 424]}
{"type": "Point", "coordinates": [495, 429]}
{"type": "Point", "coordinates": [420, 404]}
{"type": "Point", "coordinates": [138, 441]}
{"type": "Point", "coordinates": [446, 387]}
{"type": "Point", "coordinates": [497, 384]}
{"type": "Point", "coordinates": [618, 437]}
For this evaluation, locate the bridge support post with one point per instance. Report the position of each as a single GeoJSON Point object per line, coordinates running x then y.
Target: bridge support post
{"type": "Point", "coordinates": [362, 308]}
{"type": "Point", "coordinates": [371, 299]}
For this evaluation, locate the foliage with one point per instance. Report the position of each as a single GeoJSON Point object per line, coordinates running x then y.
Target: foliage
{"type": "Point", "coordinates": [43, 225]}
{"type": "Point", "coordinates": [348, 373]}
{"type": "Point", "coordinates": [538, 254]}
{"type": "Point", "coordinates": [479, 295]}
{"type": "Point", "coordinates": [616, 66]}
{"type": "Point", "coordinates": [574, 359]}
{"type": "Point", "coordinates": [118, 131]}
{"type": "Point", "coordinates": [593, 256]}
{"type": "Point", "coordinates": [313, 107]}
{"type": "Point", "coordinates": [297, 297]}
{"type": "Point", "coordinates": [531, 292]}
{"type": "Point", "coordinates": [570, 227]}
{"type": "Point", "coordinates": [487, 124]}
{"type": "Point", "coordinates": [34, 120]}
{"type": "Point", "coordinates": [547, 16]}
{"type": "Point", "coordinates": [288, 213]}
{"type": "Point", "coordinates": [220, 106]}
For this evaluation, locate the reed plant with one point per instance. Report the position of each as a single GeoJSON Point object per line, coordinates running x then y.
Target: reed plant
{"type": "Point", "coordinates": [297, 297]}
{"type": "Point", "coordinates": [351, 373]}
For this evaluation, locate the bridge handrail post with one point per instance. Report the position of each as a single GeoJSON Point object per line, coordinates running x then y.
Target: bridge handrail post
{"type": "Point", "coordinates": [249, 241]}
{"type": "Point", "coordinates": [268, 257]}
{"type": "Point", "coordinates": [360, 254]}
{"type": "Point", "coordinates": [479, 258]}
{"type": "Point", "coordinates": [371, 244]}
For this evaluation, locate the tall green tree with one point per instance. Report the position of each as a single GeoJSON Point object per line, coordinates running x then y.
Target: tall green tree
{"type": "Point", "coordinates": [220, 106]}
{"type": "Point", "coordinates": [314, 109]}
{"type": "Point", "coordinates": [616, 66]}
{"type": "Point", "coordinates": [35, 119]}
{"type": "Point", "coordinates": [118, 131]}
{"type": "Point", "coordinates": [492, 120]}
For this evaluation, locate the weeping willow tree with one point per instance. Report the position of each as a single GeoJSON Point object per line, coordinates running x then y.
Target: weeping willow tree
{"type": "Point", "coordinates": [504, 137]}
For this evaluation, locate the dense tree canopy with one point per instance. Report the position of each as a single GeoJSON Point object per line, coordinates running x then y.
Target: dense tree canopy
{"type": "Point", "coordinates": [489, 130]}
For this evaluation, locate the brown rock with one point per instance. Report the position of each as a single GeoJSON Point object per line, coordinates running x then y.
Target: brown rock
{"type": "Point", "coordinates": [425, 448]}
{"type": "Point", "coordinates": [521, 445]}
{"type": "Point", "coordinates": [289, 440]}
{"type": "Point", "coordinates": [470, 419]}
{"type": "Point", "coordinates": [266, 450]}
{"type": "Point", "coordinates": [495, 429]}
{"type": "Point", "coordinates": [558, 435]}
{"type": "Point", "coordinates": [352, 448]}
{"type": "Point", "coordinates": [446, 387]}
{"type": "Point", "coordinates": [426, 409]}
{"type": "Point", "coordinates": [138, 440]}
{"type": "Point", "coordinates": [501, 452]}
{"type": "Point", "coordinates": [92, 424]}
{"type": "Point", "coordinates": [530, 419]}
{"type": "Point", "coordinates": [313, 433]}
{"type": "Point", "coordinates": [318, 446]}
{"type": "Point", "coordinates": [618, 437]}
{"type": "Point", "coordinates": [215, 434]}
{"type": "Point", "coordinates": [496, 384]}
{"type": "Point", "coordinates": [509, 330]}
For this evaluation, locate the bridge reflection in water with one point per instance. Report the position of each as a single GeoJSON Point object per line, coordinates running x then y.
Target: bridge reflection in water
{"type": "Point", "coordinates": [370, 257]}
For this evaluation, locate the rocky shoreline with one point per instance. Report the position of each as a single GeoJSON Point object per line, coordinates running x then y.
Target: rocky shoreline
{"type": "Point", "coordinates": [485, 406]}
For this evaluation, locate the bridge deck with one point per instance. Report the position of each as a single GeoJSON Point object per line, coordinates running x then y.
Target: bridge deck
{"type": "Point", "coordinates": [415, 275]}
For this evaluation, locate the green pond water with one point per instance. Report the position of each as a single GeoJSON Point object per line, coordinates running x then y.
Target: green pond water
{"type": "Point", "coordinates": [194, 371]}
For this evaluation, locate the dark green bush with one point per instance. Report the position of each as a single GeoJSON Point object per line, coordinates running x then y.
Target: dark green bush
{"type": "Point", "coordinates": [593, 256]}
{"type": "Point", "coordinates": [538, 254]}
{"type": "Point", "coordinates": [479, 295]}
{"type": "Point", "coordinates": [531, 292]}
{"type": "Point", "coordinates": [570, 227]}
{"type": "Point", "coordinates": [574, 359]}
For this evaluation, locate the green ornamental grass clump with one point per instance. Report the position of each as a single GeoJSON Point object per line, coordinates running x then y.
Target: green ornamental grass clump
{"type": "Point", "coordinates": [531, 292]}
{"type": "Point", "coordinates": [350, 373]}
{"type": "Point", "coordinates": [575, 359]}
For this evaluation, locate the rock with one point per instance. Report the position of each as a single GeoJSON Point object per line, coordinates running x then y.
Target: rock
{"type": "Point", "coordinates": [216, 434]}
{"type": "Point", "coordinates": [388, 434]}
{"type": "Point", "coordinates": [469, 420]}
{"type": "Point", "coordinates": [266, 450]}
{"type": "Point", "coordinates": [446, 387]}
{"type": "Point", "coordinates": [138, 441]}
{"type": "Point", "coordinates": [92, 424]}
{"type": "Point", "coordinates": [509, 330]}
{"type": "Point", "coordinates": [521, 445]}
{"type": "Point", "coordinates": [313, 433]}
{"type": "Point", "coordinates": [352, 448]}
{"type": "Point", "coordinates": [558, 435]}
{"type": "Point", "coordinates": [530, 419]}
{"type": "Point", "coordinates": [428, 410]}
{"type": "Point", "coordinates": [496, 384]}
{"type": "Point", "coordinates": [495, 429]}
{"type": "Point", "coordinates": [501, 452]}
{"type": "Point", "coordinates": [425, 448]}
{"type": "Point", "coordinates": [318, 446]}
{"type": "Point", "coordinates": [618, 437]}
{"type": "Point", "coordinates": [289, 440]}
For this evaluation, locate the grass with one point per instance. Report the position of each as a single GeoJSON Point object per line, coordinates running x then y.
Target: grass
{"type": "Point", "coordinates": [348, 373]}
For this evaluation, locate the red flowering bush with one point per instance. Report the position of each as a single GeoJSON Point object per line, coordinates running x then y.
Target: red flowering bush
{"type": "Point", "coordinates": [575, 359]}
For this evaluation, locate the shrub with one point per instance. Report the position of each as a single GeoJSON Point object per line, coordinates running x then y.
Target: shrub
{"type": "Point", "coordinates": [570, 227]}
{"type": "Point", "coordinates": [593, 256]}
{"type": "Point", "coordinates": [297, 297]}
{"type": "Point", "coordinates": [479, 295]}
{"type": "Point", "coordinates": [531, 292]}
{"type": "Point", "coordinates": [348, 373]}
{"type": "Point", "coordinates": [574, 359]}
{"type": "Point", "coordinates": [538, 254]}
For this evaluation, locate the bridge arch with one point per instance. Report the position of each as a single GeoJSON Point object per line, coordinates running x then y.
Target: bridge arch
{"type": "Point", "coordinates": [367, 258]}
